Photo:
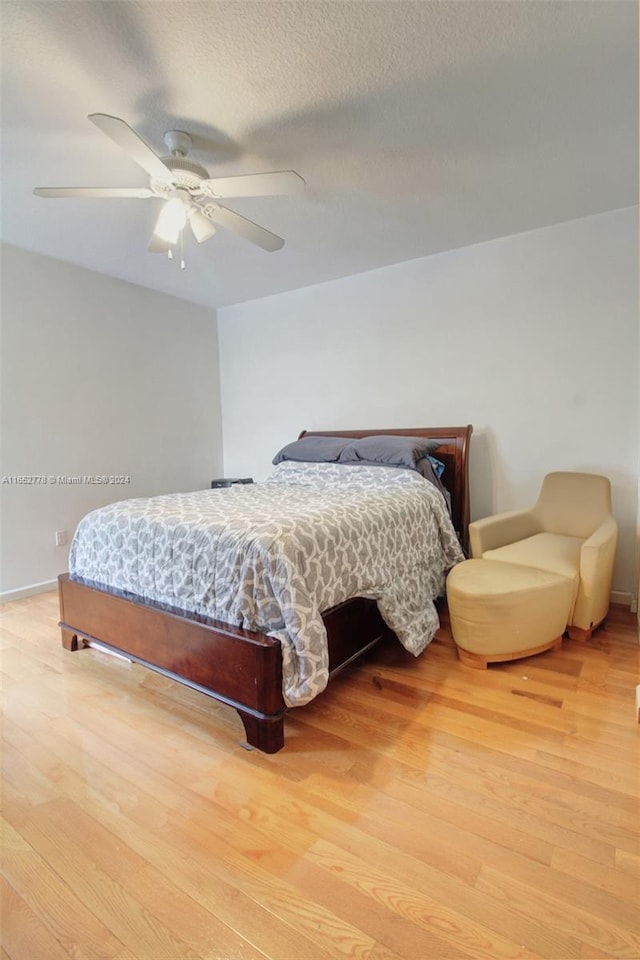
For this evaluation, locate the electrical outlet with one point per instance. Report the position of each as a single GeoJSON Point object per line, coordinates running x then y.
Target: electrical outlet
{"type": "Point", "coordinates": [61, 538]}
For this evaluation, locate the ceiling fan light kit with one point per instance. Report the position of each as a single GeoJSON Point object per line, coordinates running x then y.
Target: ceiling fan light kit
{"type": "Point", "coordinates": [201, 228]}
{"type": "Point", "coordinates": [186, 189]}
{"type": "Point", "coordinates": [173, 217]}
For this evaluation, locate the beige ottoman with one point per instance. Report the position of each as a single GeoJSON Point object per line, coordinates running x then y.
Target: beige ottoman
{"type": "Point", "coordinates": [501, 611]}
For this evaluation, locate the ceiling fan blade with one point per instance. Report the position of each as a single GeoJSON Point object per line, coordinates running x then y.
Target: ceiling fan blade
{"type": "Point", "coordinates": [126, 138]}
{"type": "Point", "coordinates": [203, 229]}
{"type": "Point", "coordinates": [243, 227]}
{"type": "Point", "coordinates": [140, 193]}
{"type": "Point", "coordinates": [279, 183]}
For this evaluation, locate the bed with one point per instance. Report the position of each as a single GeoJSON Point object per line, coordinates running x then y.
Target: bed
{"type": "Point", "coordinates": [239, 667]}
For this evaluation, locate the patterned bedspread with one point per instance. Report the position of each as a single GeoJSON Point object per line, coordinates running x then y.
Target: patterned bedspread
{"type": "Point", "coordinates": [271, 556]}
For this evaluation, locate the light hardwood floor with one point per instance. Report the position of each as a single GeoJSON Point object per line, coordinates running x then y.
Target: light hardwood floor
{"type": "Point", "coordinates": [420, 809]}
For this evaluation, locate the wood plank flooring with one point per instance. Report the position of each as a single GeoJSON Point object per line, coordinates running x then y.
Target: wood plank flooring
{"type": "Point", "coordinates": [420, 810]}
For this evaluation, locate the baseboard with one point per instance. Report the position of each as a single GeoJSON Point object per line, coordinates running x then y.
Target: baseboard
{"type": "Point", "coordinates": [624, 599]}
{"type": "Point", "coordinates": [29, 591]}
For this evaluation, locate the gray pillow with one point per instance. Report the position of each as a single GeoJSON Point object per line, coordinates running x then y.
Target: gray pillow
{"type": "Point", "coordinates": [313, 450]}
{"type": "Point", "coordinates": [389, 450]}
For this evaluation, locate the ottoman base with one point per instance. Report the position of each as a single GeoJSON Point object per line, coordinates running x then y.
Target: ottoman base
{"type": "Point", "coordinates": [479, 661]}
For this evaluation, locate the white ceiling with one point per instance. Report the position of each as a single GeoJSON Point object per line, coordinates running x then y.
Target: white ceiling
{"type": "Point", "coordinates": [418, 126]}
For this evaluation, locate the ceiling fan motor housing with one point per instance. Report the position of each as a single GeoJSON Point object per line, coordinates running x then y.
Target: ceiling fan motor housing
{"type": "Point", "coordinates": [186, 174]}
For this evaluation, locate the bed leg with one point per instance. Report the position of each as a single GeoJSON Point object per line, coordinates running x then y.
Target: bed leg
{"type": "Point", "coordinates": [69, 640]}
{"type": "Point", "coordinates": [265, 735]}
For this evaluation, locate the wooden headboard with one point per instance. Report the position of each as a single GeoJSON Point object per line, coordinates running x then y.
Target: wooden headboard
{"type": "Point", "coordinates": [454, 453]}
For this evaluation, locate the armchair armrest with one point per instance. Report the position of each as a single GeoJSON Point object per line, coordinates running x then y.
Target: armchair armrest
{"type": "Point", "coordinates": [493, 532]}
{"type": "Point", "coordinates": [598, 553]}
{"type": "Point", "coordinates": [596, 571]}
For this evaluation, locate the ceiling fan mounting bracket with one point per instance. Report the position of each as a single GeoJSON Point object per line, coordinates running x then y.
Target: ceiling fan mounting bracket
{"type": "Point", "coordinates": [178, 143]}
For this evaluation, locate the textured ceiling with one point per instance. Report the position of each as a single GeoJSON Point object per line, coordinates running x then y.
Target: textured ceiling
{"type": "Point", "coordinates": [418, 126]}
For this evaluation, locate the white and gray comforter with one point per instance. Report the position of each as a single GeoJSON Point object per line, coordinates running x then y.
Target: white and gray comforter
{"type": "Point", "coordinates": [271, 556]}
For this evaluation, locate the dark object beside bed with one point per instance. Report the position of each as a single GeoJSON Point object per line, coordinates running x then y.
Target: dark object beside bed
{"type": "Point", "coordinates": [239, 667]}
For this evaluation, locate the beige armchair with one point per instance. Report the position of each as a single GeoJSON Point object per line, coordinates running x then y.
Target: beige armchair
{"type": "Point", "coordinates": [570, 531]}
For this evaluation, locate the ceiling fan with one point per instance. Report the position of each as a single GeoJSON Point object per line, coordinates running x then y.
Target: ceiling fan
{"type": "Point", "coordinates": [189, 193]}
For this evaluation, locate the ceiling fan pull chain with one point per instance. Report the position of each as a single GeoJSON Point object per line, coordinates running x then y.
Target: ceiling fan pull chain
{"type": "Point", "coordinates": [182, 263]}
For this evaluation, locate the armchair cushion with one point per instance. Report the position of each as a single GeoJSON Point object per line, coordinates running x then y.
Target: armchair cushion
{"type": "Point", "coordinates": [544, 551]}
{"type": "Point", "coordinates": [574, 504]}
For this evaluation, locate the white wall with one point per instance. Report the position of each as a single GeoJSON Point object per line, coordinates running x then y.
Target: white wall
{"type": "Point", "coordinates": [99, 377]}
{"type": "Point", "coordinates": [532, 338]}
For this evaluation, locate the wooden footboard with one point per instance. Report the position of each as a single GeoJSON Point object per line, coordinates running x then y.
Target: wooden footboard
{"type": "Point", "coordinates": [238, 667]}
